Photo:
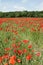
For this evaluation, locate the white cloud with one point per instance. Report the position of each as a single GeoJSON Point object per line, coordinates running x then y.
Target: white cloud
{"type": "Point", "coordinates": [4, 9]}
{"type": "Point", "coordinates": [14, 8]}
{"type": "Point", "coordinates": [19, 8]}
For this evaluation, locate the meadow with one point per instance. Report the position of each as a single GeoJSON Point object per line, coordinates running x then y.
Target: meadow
{"type": "Point", "coordinates": [21, 41]}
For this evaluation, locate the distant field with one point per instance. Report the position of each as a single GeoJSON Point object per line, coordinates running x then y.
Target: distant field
{"type": "Point", "coordinates": [20, 19]}
{"type": "Point", "coordinates": [21, 41]}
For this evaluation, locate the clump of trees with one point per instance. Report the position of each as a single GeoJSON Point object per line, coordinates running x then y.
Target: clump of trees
{"type": "Point", "coordinates": [21, 14]}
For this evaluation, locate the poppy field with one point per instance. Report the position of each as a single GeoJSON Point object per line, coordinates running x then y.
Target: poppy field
{"type": "Point", "coordinates": [21, 41]}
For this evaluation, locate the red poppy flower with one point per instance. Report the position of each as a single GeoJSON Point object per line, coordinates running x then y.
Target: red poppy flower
{"type": "Point", "coordinates": [0, 59]}
{"type": "Point", "coordinates": [41, 25]}
{"type": "Point", "coordinates": [14, 45]}
{"type": "Point", "coordinates": [0, 29]}
{"type": "Point", "coordinates": [15, 50]}
{"type": "Point", "coordinates": [12, 60]}
{"type": "Point", "coordinates": [7, 49]}
{"type": "Point", "coordinates": [28, 57]}
{"type": "Point", "coordinates": [24, 50]}
{"type": "Point", "coordinates": [33, 30]}
{"type": "Point", "coordinates": [18, 60]}
{"type": "Point", "coordinates": [25, 41]}
{"type": "Point", "coordinates": [13, 57]}
{"type": "Point", "coordinates": [38, 54]}
{"type": "Point", "coordinates": [6, 56]}
{"type": "Point", "coordinates": [20, 52]}
{"type": "Point", "coordinates": [30, 46]}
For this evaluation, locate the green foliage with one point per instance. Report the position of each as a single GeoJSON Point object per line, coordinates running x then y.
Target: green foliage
{"type": "Point", "coordinates": [21, 14]}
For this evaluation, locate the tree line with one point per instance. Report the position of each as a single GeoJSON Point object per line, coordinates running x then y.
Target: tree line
{"type": "Point", "coordinates": [21, 14]}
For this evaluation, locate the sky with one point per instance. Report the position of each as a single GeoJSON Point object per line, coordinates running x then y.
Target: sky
{"type": "Point", "coordinates": [21, 5]}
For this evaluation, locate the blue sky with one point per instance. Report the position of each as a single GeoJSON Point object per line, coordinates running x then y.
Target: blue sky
{"type": "Point", "coordinates": [20, 5]}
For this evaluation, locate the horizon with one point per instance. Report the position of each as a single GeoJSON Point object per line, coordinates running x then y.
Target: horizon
{"type": "Point", "coordinates": [19, 11]}
{"type": "Point", "coordinates": [21, 5]}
